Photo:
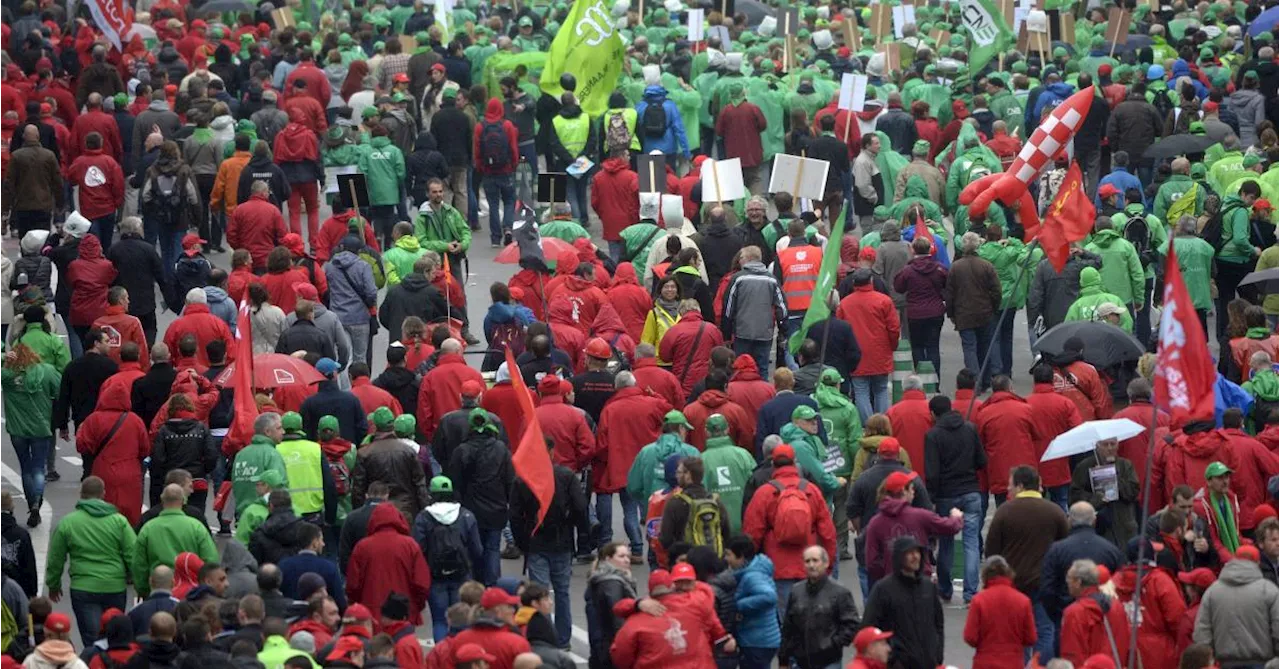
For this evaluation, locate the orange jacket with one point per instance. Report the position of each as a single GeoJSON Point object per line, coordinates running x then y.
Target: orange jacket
{"type": "Point", "coordinates": [227, 184]}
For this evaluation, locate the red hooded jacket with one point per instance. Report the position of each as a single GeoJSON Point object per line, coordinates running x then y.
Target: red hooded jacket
{"type": "Point", "coordinates": [964, 400]}
{"type": "Point", "coordinates": [371, 397]}
{"type": "Point", "coordinates": [238, 283]}
{"type": "Point", "coordinates": [757, 523]}
{"type": "Point", "coordinates": [534, 286]}
{"type": "Point", "coordinates": [1053, 414]}
{"type": "Point", "coordinates": [312, 112]}
{"type": "Point", "coordinates": [1005, 146]}
{"type": "Point", "coordinates": [566, 425]}
{"type": "Point", "coordinates": [441, 391]}
{"type": "Point", "coordinates": [1185, 462]}
{"type": "Point", "coordinates": [122, 380]}
{"type": "Point", "coordinates": [843, 120]}
{"type": "Point", "coordinates": [681, 638]}
{"type": "Point", "coordinates": [911, 420]}
{"type": "Point", "coordinates": [1162, 611]}
{"type": "Point", "coordinates": [196, 319]}
{"type": "Point", "coordinates": [1079, 381]}
{"type": "Point", "coordinates": [258, 227]}
{"type": "Point", "coordinates": [200, 390]}
{"type": "Point", "coordinates": [587, 254]}
{"type": "Point", "coordinates": [1134, 449]}
{"type": "Point", "coordinates": [630, 420]}
{"type": "Point", "coordinates": [581, 295]}
{"type": "Point", "coordinates": [117, 462]}
{"type": "Point", "coordinates": [90, 277]}
{"type": "Point", "coordinates": [279, 286]}
{"type": "Point", "coordinates": [1083, 634]}
{"type": "Point", "coordinates": [493, 114]}
{"type": "Point", "coordinates": [630, 299]}
{"type": "Point", "coordinates": [122, 328]}
{"type": "Point", "coordinates": [609, 327]}
{"type": "Point", "coordinates": [746, 388]}
{"type": "Point", "coordinates": [297, 142]}
{"type": "Point", "coordinates": [1007, 426]}
{"type": "Point", "coordinates": [742, 427]}
{"type": "Point", "coordinates": [101, 182]}
{"type": "Point", "coordinates": [1000, 625]}
{"type": "Point", "coordinates": [1254, 466]}
{"type": "Point", "coordinates": [566, 333]}
{"type": "Point", "coordinates": [615, 196]}
{"type": "Point", "coordinates": [496, 638]}
{"type": "Point", "coordinates": [501, 401]}
{"type": "Point", "coordinates": [388, 560]}
{"type": "Point", "coordinates": [657, 380]}
{"type": "Point", "coordinates": [875, 324]}
{"type": "Point", "coordinates": [334, 229]}
{"type": "Point", "coordinates": [689, 352]}
{"type": "Point", "coordinates": [317, 89]}
{"type": "Point", "coordinates": [323, 635]}
{"type": "Point", "coordinates": [687, 182]}
{"type": "Point", "coordinates": [96, 120]}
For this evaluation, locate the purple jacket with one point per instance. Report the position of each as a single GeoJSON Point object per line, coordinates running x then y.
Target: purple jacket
{"type": "Point", "coordinates": [897, 518]}
{"type": "Point", "coordinates": [923, 281]}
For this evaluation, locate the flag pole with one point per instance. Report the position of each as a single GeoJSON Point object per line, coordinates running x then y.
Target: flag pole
{"type": "Point", "coordinates": [1142, 544]}
{"type": "Point", "coordinates": [986, 360]}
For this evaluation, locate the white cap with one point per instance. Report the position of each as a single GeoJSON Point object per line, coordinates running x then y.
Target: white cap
{"type": "Point", "coordinates": [197, 296]}
{"type": "Point", "coordinates": [652, 75]}
{"type": "Point", "coordinates": [733, 61]}
{"type": "Point", "coordinates": [768, 26]}
{"type": "Point", "coordinates": [76, 226]}
{"type": "Point", "coordinates": [822, 39]}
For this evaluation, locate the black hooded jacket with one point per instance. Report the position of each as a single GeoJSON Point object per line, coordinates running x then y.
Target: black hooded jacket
{"type": "Point", "coordinates": [181, 443]}
{"type": "Point", "coordinates": [226, 70]}
{"type": "Point", "coordinates": [910, 607]}
{"type": "Point", "coordinates": [953, 454]}
{"type": "Point", "coordinates": [278, 537]}
{"type": "Point", "coordinates": [424, 164]}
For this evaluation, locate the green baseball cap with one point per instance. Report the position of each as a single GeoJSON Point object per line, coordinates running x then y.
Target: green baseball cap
{"type": "Point", "coordinates": [480, 421]}
{"type": "Point", "coordinates": [1216, 469]}
{"type": "Point", "coordinates": [674, 417]}
{"type": "Point", "coordinates": [1251, 160]}
{"type": "Point", "coordinates": [449, 93]}
{"type": "Point", "coordinates": [382, 418]}
{"type": "Point", "coordinates": [271, 477]}
{"type": "Point", "coordinates": [804, 412]}
{"type": "Point", "coordinates": [405, 425]}
{"type": "Point", "coordinates": [717, 423]}
{"type": "Point", "coordinates": [327, 423]}
{"type": "Point", "coordinates": [291, 421]}
{"type": "Point", "coordinates": [441, 484]}
{"type": "Point", "coordinates": [369, 112]}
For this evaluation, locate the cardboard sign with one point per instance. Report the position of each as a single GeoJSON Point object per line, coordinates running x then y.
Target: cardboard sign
{"type": "Point", "coordinates": [789, 22]}
{"type": "Point", "coordinates": [892, 56]}
{"type": "Point", "coordinates": [722, 180]}
{"type": "Point", "coordinates": [902, 15]}
{"type": "Point", "coordinates": [353, 191]}
{"type": "Point", "coordinates": [1117, 25]}
{"type": "Point", "coordinates": [881, 22]}
{"type": "Point", "coordinates": [853, 92]}
{"type": "Point", "coordinates": [553, 187]}
{"type": "Point", "coordinates": [1062, 26]}
{"type": "Point", "coordinates": [852, 35]}
{"type": "Point", "coordinates": [671, 207]}
{"type": "Point", "coordinates": [696, 32]}
{"type": "Point", "coordinates": [408, 44]}
{"type": "Point", "coordinates": [940, 36]}
{"type": "Point", "coordinates": [652, 170]}
{"type": "Point", "coordinates": [282, 18]}
{"type": "Point", "coordinates": [802, 177]}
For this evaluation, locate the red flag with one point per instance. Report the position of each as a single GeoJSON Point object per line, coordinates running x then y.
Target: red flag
{"type": "Point", "coordinates": [1184, 375]}
{"type": "Point", "coordinates": [531, 460]}
{"type": "Point", "coordinates": [922, 230]}
{"type": "Point", "coordinates": [1069, 219]}
{"type": "Point", "coordinates": [246, 409]}
{"type": "Point", "coordinates": [113, 19]}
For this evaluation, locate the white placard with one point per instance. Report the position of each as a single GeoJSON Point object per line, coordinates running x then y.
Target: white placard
{"type": "Point", "coordinates": [696, 32]}
{"type": "Point", "coordinates": [331, 176]}
{"type": "Point", "coordinates": [672, 211]}
{"type": "Point", "coordinates": [902, 15]}
{"type": "Point", "coordinates": [1019, 17]}
{"type": "Point", "coordinates": [802, 177]}
{"type": "Point", "coordinates": [722, 180]}
{"type": "Point", "coordinates": [721, 32]}
{"type": "Point", "coordinates": [1037, 21]}
{"type": "Point", "coordinates": [853, 92]}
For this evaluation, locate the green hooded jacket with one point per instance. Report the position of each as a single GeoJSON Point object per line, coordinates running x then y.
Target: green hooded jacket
{"type": "Point", "coordinates": [1195, 261]}
{"type": "Point", "coordinates": [47, 345]}
{"type": "Point", "coordinates": [639, 238]}
{"type": "Point", "coordinates": [1121, 268]}
{"type": "Point", "coordinates": [1093, 296]}
{"type": "Point", "coordinates": [383, 165]}
{"type": "Point", "coordinates": [29, 397]}
{"type": "Point", "coordinates": [566, 230]}
{"type": "Point", "coordinates": [727, 470]}
{"type": "Point", "coordinates": [1170, 191]}
{"type": "Point", "coordinates": [811, 456]}
{"type": "Point", "coordinates": [1007, 255]}
{"type": "Point", "coordinates": [841, 419]}
{"type": "Point", "coordinates": [1264, 386]}
{"type": "Point", "coordinates": [276, 651]}
{"type": "Point", "coordinates": [648, 472]}
{"type": "Point", "coordinates": [1236, 247]}
{"type": "Point", "coordinates": [399, 258]}
{"type": "Point", "coordinates": [100, 543]}
{"type": "Point", "coordinates": [163, 537]}
{"type": "Point", "coordinates": [1157, 233]}
{"type": "Point", "coordinates": [435, 229]}
{"type": "Point", "coordinates": [916, 191]}
{"type": "Point", "coordinates": [259, 456]}
{"type": "Point", "coordinates": [253, 515]}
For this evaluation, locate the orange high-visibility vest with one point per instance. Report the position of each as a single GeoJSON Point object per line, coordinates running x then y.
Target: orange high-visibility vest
{"type": "Point", "coordinates": [800, 266]}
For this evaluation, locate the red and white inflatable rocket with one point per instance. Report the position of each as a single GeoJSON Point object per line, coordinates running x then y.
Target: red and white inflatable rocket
{"type": "Point", "coordinates": [1051, 138]}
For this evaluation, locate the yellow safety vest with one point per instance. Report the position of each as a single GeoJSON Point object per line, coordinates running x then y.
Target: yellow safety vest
{"type": "Point", "coordinates": [303, 460]}
{"type": "Point", "coordinates": [573, 132]}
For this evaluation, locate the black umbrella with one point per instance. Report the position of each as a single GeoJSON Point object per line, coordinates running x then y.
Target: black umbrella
{"type": "Point", "coordinates": [1104, 344]}
{"type": "Point", "coordinates": [1267, 280]}
{"type": "Point", "coordinates": [1177, 145]}
{"type": "Point", "coordinates": [224, 6]}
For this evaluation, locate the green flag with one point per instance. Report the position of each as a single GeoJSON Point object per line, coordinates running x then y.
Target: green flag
{"type": "Point", "coordinates": [588, 47]}
{"type": "Point", "coordinates": [818, 309]}
{"type": "Point", "coordinates": [991, 35]}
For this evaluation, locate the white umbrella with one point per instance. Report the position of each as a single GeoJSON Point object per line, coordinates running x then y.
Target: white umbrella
{"type": "Point", "coordinates": [1082, 438]}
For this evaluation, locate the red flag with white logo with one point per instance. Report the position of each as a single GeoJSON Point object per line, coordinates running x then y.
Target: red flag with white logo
{"type": "Point", "coordinates": [246, 409]}
{"type": "Point", "coordinates": [112, 18]}
{"type": "Point", "coordinates": [1184, 375]}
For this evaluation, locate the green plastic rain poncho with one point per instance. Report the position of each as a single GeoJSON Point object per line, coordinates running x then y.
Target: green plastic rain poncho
{"type": "Point", "coordinates": [962, 170]}
{"type": "Point", "coordinates": [889, 162]}
{"type": "Point", "coordinates": [938, 96]}
{"type": "Point", "coordinates": [706, 84]}
{"type": "Point", "coordinates": [770, 101]}
{"type": "Point", "coordinates": [844, 427]}
{"type": "Point", "coordinates": [916, 192]}
{"type": "Point", "coordinates": [688, 101]}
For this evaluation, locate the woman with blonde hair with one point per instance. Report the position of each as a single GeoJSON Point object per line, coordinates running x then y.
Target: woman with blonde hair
{"type": "Point", "coordinates": [875, 430]}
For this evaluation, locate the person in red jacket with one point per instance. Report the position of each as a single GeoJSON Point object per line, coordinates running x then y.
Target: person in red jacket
{"type": "Point", "coordinates": [630, 299]}
{"type": "Point", "coordinates": [1009, 434]}
{"type": "Point", "coordinates": [1084, 622]}
{"type": "Point", "coordinates": [491, 629]}
{"type": "Point", "coordinates": [655, 379]}
{"type": "Point", "coordinates": [282, 275]}
{"type": "Point", "coordinates": [566, 334]}
{"type": "Point", "coordinates": [387, 561]}
{"type": "Point", "coordinates": [587, 255]}
{"type": "Point", "coordinates": [198, 389]}
{"type": "Point", "coordinates": [1134, 449]}
{"type": "Point", "coordinates": [116, 460]}
{"type": "Point", "coordinates": [746, 388]}
{"type": "Point", "coordinates": [495, 146]}
{"type": "Point", "coordinates": [441, 389]}
{"type": "Point", "coordinates": [89, 276]}
{"type": "Point", "coordinates": [847, 128]}
{"type": "Point", "coordinates": [1189, 454]}
{"type": "Point", "coordinates": [911, 420]}
{"type": "Point", "coordinates": [193, 40]}
{"type": "Point", "coordinates": [876, 326]}
{"type": "Point", "coordinates": [256, 226]}
{"type": "Point", "coordinates": [687, 183]}
{"type": "Point", "coordinates": [714, 400]}
{"type": "Point", "coordinates": [1254, 466]}
{"type": "Point", "coordinates": [872, 648]}
{"type": "Point", "coordinates": [371, 397]}
{"type": "Point", "coordinates": [335, 228]}
{"type": "Point", "coordinates": [565, 424]}
{"type": "Point", "coordinates": [302, 103]}
{"type": "Point", "coordinates": [688, 344]}
{"type": "Point", "coordinates": [740, 127]}
{"type": "Point", "coordinates": [501, 401]}
{"type": "Point", "coordinates": [315, 82]}
{"type": "Point", "coordinates": [1080, 382]}
{"type": "Point", "coordinates": [615, 197]}
{"type": "Point", "coordinates": [630, 420]}
{"type": "Point", "coordinates": [129, 371]}
{"type": "Point", "coordinates": [528, 287]}
{"type": "Point", "coordinates": [760, 520]}
{"type": "Point", "coordinates": [681, 638]}
{"type": "Point", "coordinates": [95, 120]}
{"type": "Point", "coordinates": [1162, 609]}
{"type": "Point", "coordinates": [1194, 584]}
{"type": "Point", "coordinates": [1053, 414]}
{"type": "Point", "coordinates": [1219, 508]}
{"type": "Point", "coordinates": [1000, 625]}
{"type": "Point", "coordinates": [297, 152]}
{"type": "Point", "coordinates": [1004, 145]}
{"type": "Point", "coordinates": [574, 283]}
{"type": "Point", "coordinates": [608, 326]}
{"type": "Point", "coordinates": [197, 320]}
{"type": "Point", "coordinates": [101, 186]}
{"type": "Point", "coordinates": [121, 328]}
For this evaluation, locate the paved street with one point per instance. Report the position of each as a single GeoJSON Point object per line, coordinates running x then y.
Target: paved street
{"type": "Point", "coordinates": [61, 496]}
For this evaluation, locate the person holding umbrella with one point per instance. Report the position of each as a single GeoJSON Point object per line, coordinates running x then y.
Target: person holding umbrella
{"type": "Point", "coordinates": [1110, 484]}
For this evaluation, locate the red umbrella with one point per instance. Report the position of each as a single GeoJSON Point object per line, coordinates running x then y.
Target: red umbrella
{"type": "Point", "coordinates": [551, 249]}
{"type": "Point", "coordinates": [274, 370]}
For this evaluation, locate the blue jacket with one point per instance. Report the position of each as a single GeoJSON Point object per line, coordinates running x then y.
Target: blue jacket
{"type": "Point", "coordinates": [500, 313]}
{"type": "Point", "coordinates": [1123, 180]}
{"type": "Point", "coordinates": [330, 400]}
{"type": "Point", "coordinates": [1182, 69]}
{"type": "Point", "coordinates": [1050, 97]}
{"type": "Point", "coordinates": [157, 601]}
{"type": "Point", "coordinates": [221, 305]}
{"type": "Point", "coordinates": [942, 256]}
{"type": "Point", "coordinates": [757, 601]}
{"type": "Point", "coordinates": [293, 567]}
{"type": "Point", "coordinates": [672, 142]}
{"type": "Point", "coordinates": [351, 288]}
{"type": "Point", "coordinates": [777, 412]}
{"type": "Point", "coordinates": [1227, 395]}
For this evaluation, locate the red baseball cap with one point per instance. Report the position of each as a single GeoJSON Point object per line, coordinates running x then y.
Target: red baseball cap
{"type": "Point", "coordinates": [1209, 107]}
{"type": "Point", "coordinates": [1099, 661]}
{"type": "Point", "coordinates": [470, 652]}
{"type": "Point", "coordinates": [1108, 190]}
{"type": "Point", "coordinates": [890, 447]}
{"type": "Point", "coordinates": [898, 481]}
{"type": "Point", "coordinates": [683, 571]}
{"type": "Point", "coordinates": [192, 239]}
{"type": "Point", "coordinates": [784, 452]}
{"type": "Point", "coordinates": [549, 385]}
{"type": "Point", "coordinates": [472, 388]}
{"type": "Point", "coordinates": [400, 78]}
{"type": "Point", "coordinates": [867, 253]}
{"type": "Point", "coordinates": [494, 597]}
{"type": "Point", "coordinates": [58, 623]}
{"type": "Point", "coordinates": [1104, 70]}
{"type": "Point", "coordinates": [306, 291]}
{"type": "Point", "coordinates": [868, 636]}
{"type": "Point", "coordinates": [358, 612]}
{"type": "Point", "coordinates": [660, 579]}
{"type": "Point", "coordinates": [1262, 512]}
{"type": "Point", "coordinates": [1202, 577]}
{"type": "Point", "coordinates": [438, 67]}
{"type": "Point", "coordinates": [1262, 204]}
{"type": "Point", "coordinates": [198, 24]}
{"type": "Point", "coordinates": [343, 647]}
{"type": "Point", "coordinates": [1249, 553]}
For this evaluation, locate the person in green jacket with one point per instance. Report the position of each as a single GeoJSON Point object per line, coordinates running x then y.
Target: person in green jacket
{"type": "Point", "coordinates": [1121, 267]}
{"type": "Point", "coordinates": [404, 252]}
{"type": "Point", "coordinates": [1179, 184]}
{"type": "Point", "coordinates": [728, 468]}
{"type": "Point", "coordinates": [647, 472]}
{"type": "Point", "coordinates": [99, 544]}
{"type": "Point", "coordinates": [259, 456]}
{"type": "Point", "coordinates": [562, 226]}
{"type": "Point", "coordinates": [258, 510]}
{"type": "Point", "coordinates": [811, 453]}
{"type": "Point", "coordinates": [276, 650]}
{"type": "Point", "coordinates": [382, 163]}
{"type": "Point", "coordinates": [639, 238]}
{"type": "Point", "coordinates": [1236, 256]}
{"type": "Point", "coordinates": [1270, 259]}
{"type": "Point", "coordinates": [30, 388]}
{"type": "Point", "coordinates": [441, 228]}
{"type": "Point", "coordinates": [844, 429]}
{"type": "Point", "coordinates": [166, 535]}
{"type": "Point", "coordinates": [1092, 296]}
{"type": "Point", "coordinates": [1263, 385]}
{"type": "Point", "coordinates": [1195, 261]}
{"type": "Point", "coordinates": [38, 335]}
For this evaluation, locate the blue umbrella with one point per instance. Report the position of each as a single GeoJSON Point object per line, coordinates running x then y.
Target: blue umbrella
{"type": "Point", "coordinates": [1267, 20]}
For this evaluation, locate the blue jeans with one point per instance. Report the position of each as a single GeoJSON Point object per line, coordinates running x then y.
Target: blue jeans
{"type": "Point", "coordinates": [104, 227]}
{"type": "Point", "coordinates": [864, 582]}
{"type": "Point", "coordinates": [33, 452]}
{"type": "Point", "coordinates": [578, 203]}
{"type": "Point", "coordinates": [1058, 495]}
{"type": "Point", "coordinates": [443, 594]}
{"type": "Point", "coordinates": [975, 342]}
{"type": "Point", "coordinates": [630, 520]}
{"type": "Point", "coordinates": [170, 249]}
{"type": "Point", "coordinates": [1004, 340]}
{"type": "Point", "coordinates": [1046, 632]}
{"type": "Point", "coordinates": [554, 570]}
{"type": "Point", "coordinates": [792, 325]}
{"type": "Point", "coordinates": [500, 191]}
{"type": "Point", "coordinates": [871, 395]}
{"type": "Point", "coordinates": [758, 349]}
{"type": "Point", "coordinates": [490, 567]}
{"type": "Point", "coordinates": [756, 658]}
{"type": "Point", "coordinates": [74, 342]}
{"type": "Point", "coordinates": [88, 607]}
{"type": "Point", "coordinates": [784, 586]}
{"type": "Point", "coordinates": [971, 505]}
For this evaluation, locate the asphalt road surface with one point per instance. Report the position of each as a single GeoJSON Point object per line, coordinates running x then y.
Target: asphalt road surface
{"type": "Point", "coordinates": [60, 497]}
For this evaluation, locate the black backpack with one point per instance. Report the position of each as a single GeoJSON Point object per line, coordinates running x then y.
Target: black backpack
{"type": "Point", "coordinates": [495, 146]}
{"type": "Point", "coordinates": [1138, 234]}
{"type": "Point", "coordinates": [167, 198]}
{"type": "Point", "coordinates": [654, 122]}
{"type": "Point", "coordinates": [1212, 232]}
{"type": "Point", "coordinates": [446, 556]}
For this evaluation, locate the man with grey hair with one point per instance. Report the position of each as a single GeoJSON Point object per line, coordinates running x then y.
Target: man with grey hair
{"type": "Point", "coordinates": [1095, 623]}
{"type": "Point", "coordinates": [868, 183]}
{"type": "Point", "coordinates": [819, 616]}
{"type": "Point", "coordinates": [257, 458]}
{"type": "Point", "coordinates": [624, 379]}
{"type": "Point", "coordinates": [1083, 543]}
{"type": "Point", "coordinates": [99, 77]}
{"type": "Point", "coordinates": [1195, 261]}
{"type": "Point", "coordinates": [754, 307]}
{"type": "Point", "coordinates": [631, 419]}
{"type": "Point", "coordinates": [139, 270]}
{"type": "Point", "coordinates": [973, 300]}
{"type": "Point", "coordinates": [652, 377]}
{"type": "Point", "coordinates": [752, 230]}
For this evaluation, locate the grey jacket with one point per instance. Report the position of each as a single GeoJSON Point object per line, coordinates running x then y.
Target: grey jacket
{"type": "Point", "coordinates": [753, 304]}
{"type": "Point", "coordinates": [351, 288]}
{"type": "Point", "coordinates": [1238, 616]}
{"type": "Point", "coordinates": [891, 257]}
{"type": "Point", "coordinates": [328, 323]}
{"type": "Point", "coordinates": [1249, 107]}
{"type": "Point", "coordinates": [157, 114]}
